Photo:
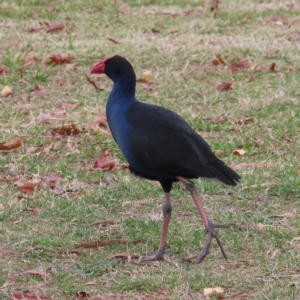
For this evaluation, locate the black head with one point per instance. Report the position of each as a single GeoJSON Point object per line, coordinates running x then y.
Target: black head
{"type": "Point", "coordinates": [115, 67]}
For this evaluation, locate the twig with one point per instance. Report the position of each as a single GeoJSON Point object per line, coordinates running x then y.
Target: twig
{"type": "Point", "coordinates": [94, 84]}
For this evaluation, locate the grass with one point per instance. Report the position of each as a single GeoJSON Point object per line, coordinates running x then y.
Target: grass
{"type": "Point", "coordinates": [42, 229]}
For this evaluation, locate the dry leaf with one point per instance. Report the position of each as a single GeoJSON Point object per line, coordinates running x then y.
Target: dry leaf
{"type": "Point", "coordinates": [106, 243]}
{"type": "Point", "coordinates": [26, 187]}
{"type": "Point", "coordinates": [30, 60]}
{"type": "Point", "coordinates": [294, 239]}
{"type": "Point", "coordinates": [3, 69]}
{"type": "Point", "coordinates": [244, 120]}
{"type": "Point", "coordinates": [262, 229]}
{"type": "Point", "coordinates": [12, 144]}
{"type": "Point", "coordinates": [47, 117]}
{"type": "Point", "coordinates": [208, 292]}
{"type": "Point", "coordinates": [65, 105]}
{"type": "Point", "coordinates": [105, 223]}
{"type": "Point", "coordinates": [218, 60]}
{"type": "Point", "coordinates": [285, 215]}
{"type": "Point", "coordinates": [239, 152]}
{"type": "Point", "coordinates": [113, 41]}
{"type": "Point", "coordinates": [35, 210]}
{"type": "Point", "coordinates": [216, 120]}
{"type": "Point", "coordinates": [55, 27]}
{"type": "Point", "coordinates": [9, 252]}
{"type": "Point", "coordinates": [147, 74]}
{"type": "Point", "coordinates": [60, 58]}
{"type": "Point", "coordinates": [225, 86]}
{"type": "Point", "coordinates": [37, 272]}
{"type": "Point", "coordinates": [82, 295]}
{"type": "Point", "coordinates": [66, 130]}
{"type": "Point", "coordinates": [102, 121]}
{"type": "Point", "coordinates": [47, 149]}
{"type": "Point", "coordinates": [238, 65]}
{"type": "Point", "coordinates": [27, 296]}
{"type": "Point", "coordinates": [106, 163]}
{"type": "Point", "coordinates": [123, 256]}
{"type": "Point", "coordinates": [6, 91]}
{"type": "Point", "coordinates": [33, 149]}
{"type": "Point", "coordinates": [41, 94]}
{"type": "Point", "coordinates": [272, 68]}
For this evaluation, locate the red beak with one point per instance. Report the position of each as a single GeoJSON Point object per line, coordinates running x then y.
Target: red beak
{"type": "Point", "coordinates": [99, 68]}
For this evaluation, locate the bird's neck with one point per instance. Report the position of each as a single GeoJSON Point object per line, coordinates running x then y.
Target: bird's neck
{"type": "Point", "coordinates": [124, 86]}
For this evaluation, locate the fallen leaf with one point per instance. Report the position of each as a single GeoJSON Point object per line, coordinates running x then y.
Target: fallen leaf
{"type": "Point", "coordinates": [105, 223]}
{"type": "Point", "coordinates": [238, 64]}
{"type": "Point", "coordinates": [285, 215]}
{"type": "Point", "coordinates": [208, 292]}
{"type": "Point", "coordinates": [262, 229]}
{"type": "Point", "coordinates": [272, 68]}
{"type": "Point", "coordinates": [106, 243]}
{"type": "Point", "coordinates": [66, 130]}
{"type": "Point", "coordinates": [113, 41]}
{"type": "Point", "coordinates": [60, 58]}
{"type": "Point", "coordinates": [218, 60]}
{"type": "Point", "coordinates": [216, 120]}
{"type": "Point", "coordinates": [3, 69]}
{"type": "Point", "coordinates": [239, 152]}
{"type": "Point", "coordinates": [12, 144]}
{"type": "Point", "coordinates": [26, 187]}
{"type": "Point", "coordinates": [35, 210]}
{"type": "Point", "coordinates": [30, 60]}
{"type": "Point", "coordinates": [287, 139]}
{"type": "Point", "coordinates": [95, 125]}
{"type": "Point", "coordinates": [27, 296]}
{"type": "Point", "coordinates": [82, 295]}
{"type": "Point", "coordinates": [296, 238]}
{"type": "Point", "coordinates": [55, 27]}
{"type": "Point", "coordinates": [244, 120]}
{"type": "Point", "coordinates": [41, 94]}
{"type": "Point", "coordinates": [9, 252]}
{"type": "Point", "coordinates": [65, 105]}
{"type": "Point", "coordinates": [48, 117]}
{"type": "Point", "coordinates": [225, 86]}
{"type": "Point", "coordinates": [106, 163]}
{"type": "Point", "coordinates": [32, 149]}
{"type": "Point", "coordinates": [47, 149]}
{"type": "Point", "coordinates": [147, 87]}
{"type": "Point", "coordinates": [37, 272]}
{"type": "Point", "coordinates": [123, 255]}
{"type": "Point", "coordinates": [6, 91]}
{"type": "Point", "coordinates": [147, 74]}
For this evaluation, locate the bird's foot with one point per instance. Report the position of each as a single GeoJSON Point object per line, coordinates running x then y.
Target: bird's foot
{"type": "Point", "coordinates": [160, 255]}
{"type": "Point", "coordinates": [210, 235]}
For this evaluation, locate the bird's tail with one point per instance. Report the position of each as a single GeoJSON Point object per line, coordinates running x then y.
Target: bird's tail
{"type": "Point", "coordinates": [224, 173]}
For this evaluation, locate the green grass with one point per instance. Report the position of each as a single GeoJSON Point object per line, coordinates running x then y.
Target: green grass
{"type": "Point", "coordinates": [159, 36]}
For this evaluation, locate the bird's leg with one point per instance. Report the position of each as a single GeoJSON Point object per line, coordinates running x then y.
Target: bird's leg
{"type": "Point", "coordinates": [167, 209]}
{"type": "Point", "coordinates": [209, 225]}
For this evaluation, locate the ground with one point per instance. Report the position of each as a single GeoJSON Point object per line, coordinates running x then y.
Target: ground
{"type": "Point", "coordinates": [230, 68]}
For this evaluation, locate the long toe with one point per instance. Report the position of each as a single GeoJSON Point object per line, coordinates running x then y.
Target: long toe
{"type": "Point", "coordinates": [210, 234]}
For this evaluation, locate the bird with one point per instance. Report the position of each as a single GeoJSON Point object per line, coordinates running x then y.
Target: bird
{"type": "Point", "coordinates": [160, 145]}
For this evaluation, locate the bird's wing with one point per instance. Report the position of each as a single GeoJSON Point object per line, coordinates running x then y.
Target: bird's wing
{"type": "Point", "coordinates": [162, 140]}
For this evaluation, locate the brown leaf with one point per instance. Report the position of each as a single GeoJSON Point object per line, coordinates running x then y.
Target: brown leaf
{"type": "Point", "coordinates": [66, 130]}
{"type": "Point", "coordinates": [113, 41]}
{"type": "Point", "coordinates": [65, 105]}
{"type": "Point", "coordinates": [244, 120]}
{"type": "Point", "coordinates": [26, 187]}
{"type": "Point", "coordinates": [218, 60]}
{"type": "Point", "coordinates": [47, 149]}
{"type": "Point", "coordinates": [123, 255]}
{"type": "Point", "coordinates": [272, 68]}
{"type": "Point", "coordinates": [47, 117]}
{"type": "Point", "coordinates": [238, 64]}
{"type": "Point", "coordinates": [33, 149]}
{"type": "Point", "coordinates": [55, 27]}
{"type": "Point", "coordinates": [106, 243]}
{"type": "Point", "coordinates": [287, 139]}
{"type": "Point", "coordinates": [216, 120]}
{"type": "Point", "coordinates": [60, 58]}
{"type": "Point", "coordinates": [143, 80]}
{"type": "Point", "coordinates": [285, 215]}
{"type": "Point", "coordinates": [262, 229]}
{"type": "Point", "coordinates": [239, 152]}
{"type": "Point", "coordinates": [35, 210]}
{"type": "Point", "coordinates": [37, 272]}
{"type": "Point", "coordinates": [105, 223]}
{"type": "Point", "coordinates": [82, 295]}
{"type": "Point", "coordinates": [12, 144]}
{"type": "Point", "coordinates": [3, 69]}
{"type": "Point", "coordinates": [4, 252]}
{"type": "Point", "coordinates": [27, 296]}
{"type": "Point", "coordinates": [225, 86]}
{"type": "Point", "coordinates": [208, 292]}
{"type": "Point", "coordinates": [50, 181]}
{"type": "Point", "coordinates": [30, 60]}
{"type": "Point", "coordinates": [293, 37]}
{"type": "Point", "coordinates": [41, 94]}
{"type": "Point", "coordinates": [101, 121]}
{"type": "Point", "coordinates": [147, 87]}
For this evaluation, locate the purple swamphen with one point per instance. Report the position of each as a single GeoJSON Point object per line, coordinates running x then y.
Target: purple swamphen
{"type": "Point", "coordinates": [159, 145]}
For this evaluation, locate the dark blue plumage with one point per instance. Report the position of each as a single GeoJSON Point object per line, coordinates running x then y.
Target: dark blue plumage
{"type": "Point", "coordinates": [159, 145]}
